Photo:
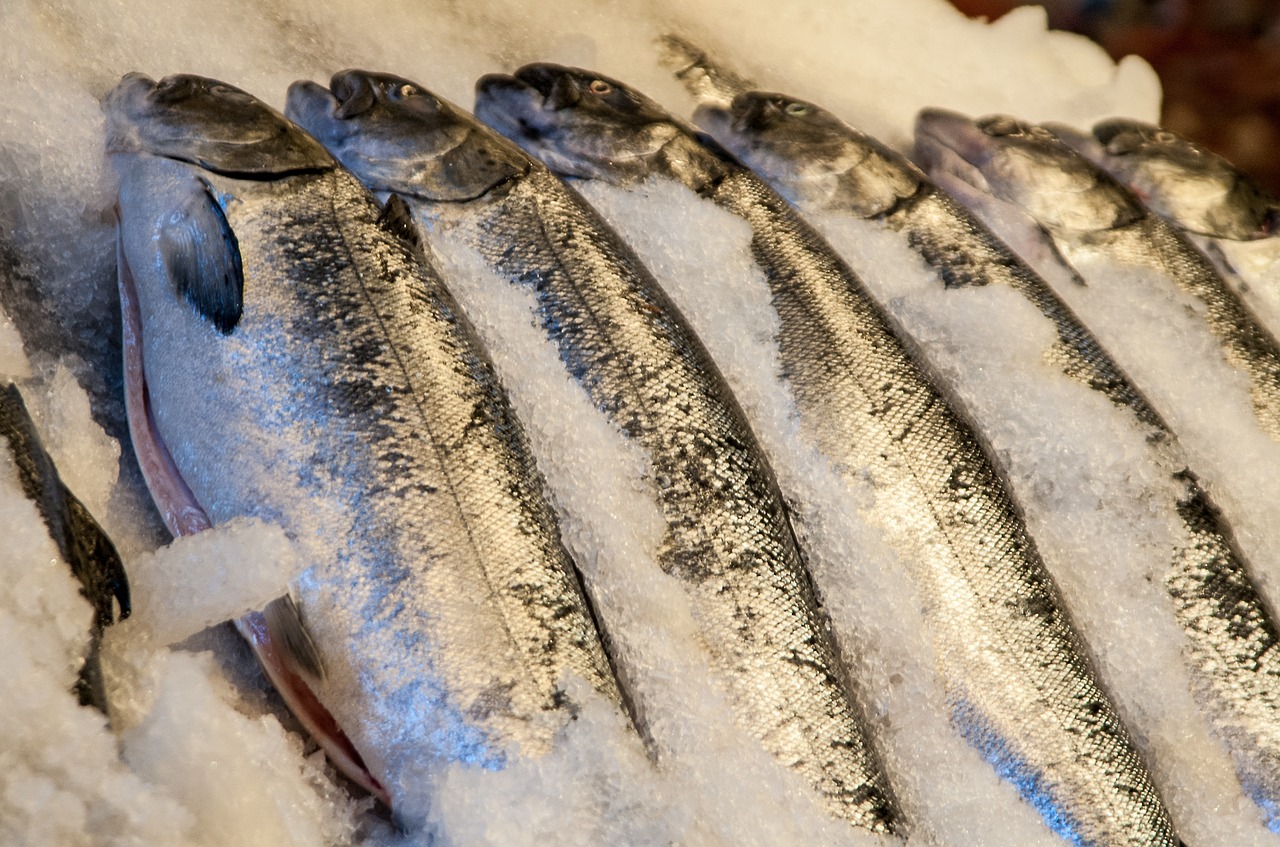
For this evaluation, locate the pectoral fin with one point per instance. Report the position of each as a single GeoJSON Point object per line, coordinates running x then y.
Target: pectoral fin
{"type": "Point", "coordinates": [203, 259]}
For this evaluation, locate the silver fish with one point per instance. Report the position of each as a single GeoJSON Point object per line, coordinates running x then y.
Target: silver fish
{"type": "Point", "coordinates": [1020, 684]}
{"type": "Point", "coordinates": [1080, 207]}
{"type": "Point", "coordinates": [292, 356]}
{"type": "Point", "coordinates": [728, 537]}
{"type": "Point", "coordinates": [1198, 190]}
{"type": "Point", "coordinates": [1233, 645]}
{"type": "Point", "coordinates": [1225, 212]}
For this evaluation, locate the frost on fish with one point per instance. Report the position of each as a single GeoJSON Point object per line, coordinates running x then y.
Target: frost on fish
{"type": "Point", "coordinates": [728, 537]}
{"type": "Point", "coordinates": [443, 608]}
{"type": "Point", "coordinates": [1005, 648]}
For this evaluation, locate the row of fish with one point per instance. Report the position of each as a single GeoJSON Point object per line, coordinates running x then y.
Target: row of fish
{"type": "Point", "coordinates": [277, 312]}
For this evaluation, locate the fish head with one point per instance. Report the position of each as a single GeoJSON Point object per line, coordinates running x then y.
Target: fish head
{"type": "Point", "coordinates": [813, 158]}
{"type": "Point", "coordinates": [1027, 166]}
{"type": "Point", "coordinates": [588, 126]}
{"type": "Point", "coordinates": [1178, 178]}
{"type": "Point", "coordinates": [398, 137]}
{"type": "Point", "coordinates": [207, 123]}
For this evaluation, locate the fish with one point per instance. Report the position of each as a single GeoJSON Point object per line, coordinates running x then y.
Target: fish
{"type": "Point", "coordinates": [1226, 213]}
{"type": "Point", "coordinates": [292, 355]}
{"type": "Point", "coordinates": [1085, 213]}
{"type": "Point", "coordinates": [80, 539]}
{"type": "Point", "coordinates": [1232, 645]}
{"type": "Point", "coordinates": [1195, 188]}
{"type": "Point", "coordinates": [728, 539]}
{"type": "Point", "coordinates": [1020, 683]}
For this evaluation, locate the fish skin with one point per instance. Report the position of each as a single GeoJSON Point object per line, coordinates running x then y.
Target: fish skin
{"type": "Point", "coordinates": [1080, 206]}
{"type": "Point", "coordinates": [364, 419]}
{"type": "Point", "coordinates": [819, 163]}
{"type": "Point", "coordinates": [1018, 677]}
{"type": "Point", "coordinates": [1233, 645]}
{"type": "Point", "coordinates": [728, 537]}
{"type": "Point", "coordinates": [81, 542]}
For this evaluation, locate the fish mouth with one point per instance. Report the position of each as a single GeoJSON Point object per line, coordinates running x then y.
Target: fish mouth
{"type": "Point", "coordinates": [313, 107]}
{"type": "Point", "coordinates": [510, 104]}
{"type": "Point", "coordinates": [950, 143]}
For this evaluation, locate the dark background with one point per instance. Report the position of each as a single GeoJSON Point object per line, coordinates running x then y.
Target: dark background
{"type": "Point", "coordinates": [1218, 61]}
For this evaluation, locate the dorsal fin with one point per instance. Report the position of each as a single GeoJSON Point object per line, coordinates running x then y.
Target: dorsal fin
{"type": "Point", "coordinates": [202, 256]}
{"type": "Point", "coordinates": [397, 219]}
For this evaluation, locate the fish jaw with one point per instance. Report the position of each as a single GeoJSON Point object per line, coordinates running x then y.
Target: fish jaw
{"type": "Point", "coordinates": [207, 123]}
{"type": "Point", "coordinates": [400, 138]}
{"type": "Point", "coordinates": [589, 126]}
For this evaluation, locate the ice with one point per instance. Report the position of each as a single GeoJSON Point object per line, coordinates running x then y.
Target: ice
{"type": "Point", "coordinates": [701, 256]}
{"type": "Point", "coordinates": [1098, 503]}
{"type": "Point", "coordinates": [875, 63]}
{"type": "Point", "coordinates": [240, 566]}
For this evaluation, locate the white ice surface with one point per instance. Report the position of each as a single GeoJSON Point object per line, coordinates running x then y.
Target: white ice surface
{"type": "Point", "coordinates": [873, 62]}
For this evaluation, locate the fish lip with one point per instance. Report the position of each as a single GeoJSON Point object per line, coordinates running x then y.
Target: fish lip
{"type": "Point", "coordinates": [942, 129]}
{"type": "Point", "coordinates": [505, 102]}
{"type": "Point", "coordinates": [950, 142]}
{"type": "Point", "coordinates": [714, 118]}
{"type": "Point", "coordinates": [309, 103]}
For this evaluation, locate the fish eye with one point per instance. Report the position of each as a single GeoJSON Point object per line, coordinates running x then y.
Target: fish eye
{"type": "Point", "coordinates": [1163, 136]}
{"type": "Point", "coordinates": [406, 90]}
{"type": "Point", "coordinates": [600, 87]}
{"type": "Point", "coordinates": [797, 109]}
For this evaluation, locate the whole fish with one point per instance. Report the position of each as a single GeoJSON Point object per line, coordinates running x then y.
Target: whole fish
{"type": "Point", "coordinates": [82, 543]}
{"type": "Point", "coordinates": [825, 166]}
{"type": "Point", "coordinates": [1225, 212]}
{"type": "Point", "coordinates": [728, 538]}
{"type": "Point", "coordinates": [1233, 645]}
{"type": "Point", "coordinates": [1020, 685]}
{"type": "Point", "coordinates": [291, 355]}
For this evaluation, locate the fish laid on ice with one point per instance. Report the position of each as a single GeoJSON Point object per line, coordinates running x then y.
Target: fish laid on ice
{"type": "Point", "coordinates": [290, 355]}
{"type": "Point", "coordinates": [1020, 684]}
{"type": "Point", "coordinates": [80, 540]}
{"type": "Point", "coordinates": [728, 539]}
{"type": "Point", "coordinates": [1224, 211]}
{"type": "Point", "coordinates": [1094, 221]}
{"type": "Point", "coordinates": [1233, 647]}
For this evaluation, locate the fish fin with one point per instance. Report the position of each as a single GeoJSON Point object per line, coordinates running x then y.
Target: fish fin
{"type": "Point", "coordinates": [203, 258]}
{"type": "Point", "coordinates": [284, 622]}
{"type": "Point", "coordinates": [97, 564]}
{"type": "Point", "coordinates": [397, 219]}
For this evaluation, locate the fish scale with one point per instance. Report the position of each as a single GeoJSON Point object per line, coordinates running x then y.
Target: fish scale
{"type": "Point", "coordinates": [364, 418]}
{"type": "Point", "coordinates": [1019, 682]}
{"type": "Point", "coordinates": [727, 536]}
{"type": "Point", "coordinates": [1018, 678]}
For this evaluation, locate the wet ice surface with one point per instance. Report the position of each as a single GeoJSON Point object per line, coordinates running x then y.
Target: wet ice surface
{"type": "Point", "coordinates": [198, 761]}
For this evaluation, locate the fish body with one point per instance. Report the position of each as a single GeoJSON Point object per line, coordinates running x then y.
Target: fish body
{"type": "Point", "coordinates": [1020, 685]}
{"type": "Point", "coordinates": [305, 365]}
{"type": "Point", "coordinates": [1232, 639]}
{"type": "Point", "coordinates": [727, 538]}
